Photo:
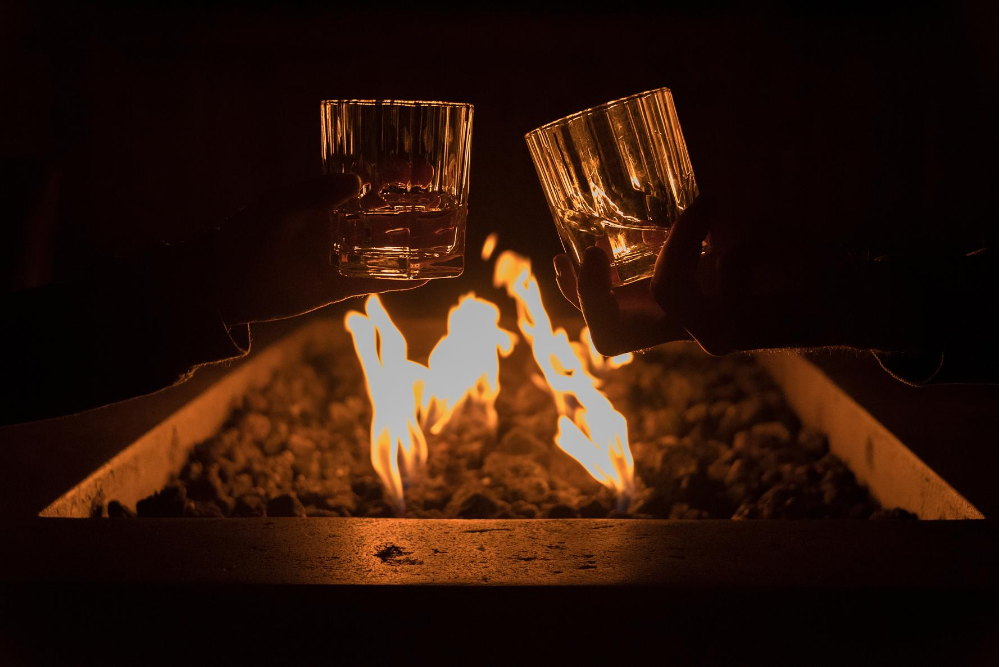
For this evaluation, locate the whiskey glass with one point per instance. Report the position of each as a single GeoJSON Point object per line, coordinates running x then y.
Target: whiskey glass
{"type": "Point", "coordinates": [616, 176]}
{"type": "Point", "coordinates": [408, 221]}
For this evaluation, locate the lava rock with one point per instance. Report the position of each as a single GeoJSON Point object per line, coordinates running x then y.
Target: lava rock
{"type": "Point", "coordinates": [203, 510]}
{"type": "Point", "coordinates": [249, 505]}
{"type": "Point", "coordinates": [378, 509]}
{"type": "Point", "coordinates": [524, 510]}
{"type": "Point", "coordinates": [711, 438]}
{"type": "Point", "coordinates": [118, 511]}
{"type": "Point", "coordinates": [771, 434]}
{"type": "Point", "coordinates": [521, 441]}
{"type": "Point", "coordinates": [676, 462]}
{"type": "Point", "coordinates": [746, 511]}
{"type": "Point", "coordinates": [664, 421]}
{"type": "Point", "coordinates": [522, 478]}
{"type": "Point", "coordinates": [654, 504]}
{"type": "Point", "coordinates": [315, 511]}
{"type": "Point", "coordinates": [684, 511]}
{"type": "Point", "coordinates": [256, 425]}
{"type": "Point", "coordinates": [814, 444]}
{"type": "Point", "coordinates": [561, 512]}
{"type": "Point", "coordinates": [170, 502]}
{"type": "Point", "coordinates": [595, 509]}
{"type": "Point", "coordinates": [478, 506]}
{"type": "Point", "coordinates": [285, 505]}
{"type": "Point", "coordinates": [206, 486]}
{"type": "Point", "coordinates": [894, 514]}
{"type": "Point", "coordinates": [368, 489]}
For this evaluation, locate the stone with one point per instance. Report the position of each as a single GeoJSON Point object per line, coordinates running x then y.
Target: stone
{"type": "Point", "coordinates": [170, 502]}
{"type": "Point", "coordinates": [256, 425]}
{"type": "Point", "coordinates": [249, 505]}
{"type": "Point", "coordinates": [595, 509]}
{"type": "Point", "coordinates": [775, 433]}
{"type": "Point", "coordinates": [367, 488]}
{"type": "Point", "coordinates": [118, 511]}
{"type": "Point", "coordinates": [478, 506]}
{"type": "Point", "coordinates": [561, 512]}
{"type": "Point", "coordinates": [285, 505]}
{"type": "Point", "coordinates": [813, 443]}
{"type": "Point", "coordinates": [523, 442]}
{"type": "Point", "coordinates": [894, 514]}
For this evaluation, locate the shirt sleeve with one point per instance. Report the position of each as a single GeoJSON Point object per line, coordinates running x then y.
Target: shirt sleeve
{"type": "Point", "coordinates": [136, 328]}
{"type": "Point", "coordinates": [962, 301]}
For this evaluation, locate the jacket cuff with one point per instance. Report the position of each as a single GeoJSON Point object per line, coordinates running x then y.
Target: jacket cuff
{"type": "Point", "coordinates": [913, 368]}
{"type": "Point", "coordinates": [184, 318]}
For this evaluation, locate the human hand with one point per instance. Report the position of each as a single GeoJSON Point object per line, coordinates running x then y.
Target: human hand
{"type": "Point", "coordinates": [766, 295]}
{"type": "Point", "coordinates": [769, 293]}
{"type": "Point", "coordinates": [272, 259]}
{"type": "Point", "coordinates": [621, 319]}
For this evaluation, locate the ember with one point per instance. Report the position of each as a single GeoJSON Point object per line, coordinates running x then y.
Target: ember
{"type": "Point", "coordinates": [484, 428]}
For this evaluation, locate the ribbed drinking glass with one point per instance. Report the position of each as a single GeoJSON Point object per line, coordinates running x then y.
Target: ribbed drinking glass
{"type": "Point", "coordinates": [616, 176]}
{"type": "Point", "coordinates": [413, 161]}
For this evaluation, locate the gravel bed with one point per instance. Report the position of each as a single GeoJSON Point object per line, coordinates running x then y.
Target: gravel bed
{"type": "Point", "coordinates": [712, 439]}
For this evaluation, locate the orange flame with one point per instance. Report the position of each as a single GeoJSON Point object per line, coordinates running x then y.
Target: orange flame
{"type": "Point", "coordinates": [465, 364]}
{"type": "Point", "coordinates": [394, 383]}
{"type": "Point", "coordinates": [590, 429]}
{"type": "Point", "coordinates": [489, 246]}
{"type": "Point", "coordinates": [597, 361]}
{"type": "Point", "coordinates": [408, 397]}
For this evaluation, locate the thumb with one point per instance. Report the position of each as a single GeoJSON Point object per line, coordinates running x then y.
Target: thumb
{"type": "Point", "coordinates": [597, 299]}
{"type": "Point", "coordinates": [673, 280]}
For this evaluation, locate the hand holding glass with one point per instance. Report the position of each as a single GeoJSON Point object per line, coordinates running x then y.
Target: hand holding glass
{"type": "Point", "coordinates": [616, 176]}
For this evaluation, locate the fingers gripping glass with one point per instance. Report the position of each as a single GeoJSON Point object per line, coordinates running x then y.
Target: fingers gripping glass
{"type": "Point", "coordinates": [413, 161]}
{"type": "Point", "coordinates": [616, 176]}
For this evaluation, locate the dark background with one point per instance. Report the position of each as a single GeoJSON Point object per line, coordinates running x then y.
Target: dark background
{"type": "Point", "coordinates": [871, 129]}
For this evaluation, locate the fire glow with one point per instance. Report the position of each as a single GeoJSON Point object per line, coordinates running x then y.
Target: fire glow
{"type": "Point", "coordinates": [411, 401]}
{"type": "Point", "coordinates": [590, 429]}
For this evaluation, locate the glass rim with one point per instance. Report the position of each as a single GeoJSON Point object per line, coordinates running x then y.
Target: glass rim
{"type": "Point", "coordinates": [396, 103]}
{"type": "Point", "coordinates": [595, 109]}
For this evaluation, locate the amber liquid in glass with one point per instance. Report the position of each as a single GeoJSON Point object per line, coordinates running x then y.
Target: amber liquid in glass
{"type": "Point", "coordinates": [631, 246]}
{"type": "Point", "coordinates": [405, 235]}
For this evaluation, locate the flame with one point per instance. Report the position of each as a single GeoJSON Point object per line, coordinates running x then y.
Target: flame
{"type": "Point", "coordinates": [410, 400]}
{"type": "Point", "coordinates": [598, 362]}
{"type": "Point", "coordinates": [465, 364]}
{"type": "Point", "coordinates": [489, 246]}
{"type": "Point", "coordinates": [590, 429]}
{"type": "Point", "coordinates": [394, 385]}
{"type": "Point", "coordinates": [408, 397]}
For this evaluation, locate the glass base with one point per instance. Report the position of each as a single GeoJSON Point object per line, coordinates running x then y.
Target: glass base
{"type": "Point", "coordinates": [639, 266]}
{"type": "Point", "coordinates": [634, 268]}
{"type": "Point", "coordinates": [399, 264]}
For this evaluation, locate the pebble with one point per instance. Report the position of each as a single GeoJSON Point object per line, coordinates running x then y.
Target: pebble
{"type": "Point", "coordinates": [712, 437]}
{"type": "Point", "coordinates": [250, 505]}
{"type": "Point", "coordinates": [285, 505]}
{"type": "Point", "coordinates": [561, 512]}
{"type": "Point", "coordinates": [478, 506]}
{"type": "Point", "coordinates": [595, 509]}
{"type": "Point", "coordinates": [118, 511]}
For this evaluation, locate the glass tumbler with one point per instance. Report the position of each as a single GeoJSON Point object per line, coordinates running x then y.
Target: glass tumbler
{"type": "Point", "coordinates": [616, 176]}
{"type": "Point", "coordinates": [408, 221]}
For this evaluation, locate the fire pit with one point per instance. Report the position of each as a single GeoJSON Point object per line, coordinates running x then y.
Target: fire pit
{"type": "Point", "coordinates": [673, 434]}
{"type": "Point", "coordinates": [711, 438]}
{"type": "Point", "coordinates": [701, 592]}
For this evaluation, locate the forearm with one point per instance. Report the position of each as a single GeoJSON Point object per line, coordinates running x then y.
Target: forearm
{"type": "Point", "coordinates": [134, 330]}
{"type": "Point", "coordinates": [946, 320]}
